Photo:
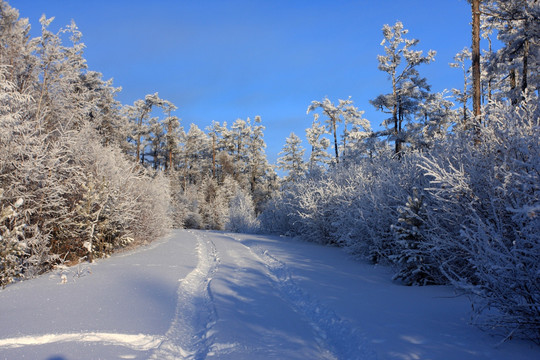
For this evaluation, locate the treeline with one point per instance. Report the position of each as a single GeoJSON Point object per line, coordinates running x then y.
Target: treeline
{"type": "Point", "coordinates": [443, 196]}
{"type": "Point", "coordinates": [67, 188]}
{"type": "Point", "coordinates": [82, 175]}
{"type": "Point", "coordinates": [207, 171]}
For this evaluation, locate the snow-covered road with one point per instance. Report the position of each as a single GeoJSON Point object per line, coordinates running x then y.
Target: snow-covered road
{"type": "Point", "coordinates": [210, 295]}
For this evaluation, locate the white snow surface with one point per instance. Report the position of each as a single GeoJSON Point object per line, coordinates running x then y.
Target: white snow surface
{"type": "Point", "coordinates": [211, 295]}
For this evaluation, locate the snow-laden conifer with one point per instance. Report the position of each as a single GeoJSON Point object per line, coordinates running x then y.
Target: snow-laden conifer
{"type": "Point", "coordinates": [292, 159]}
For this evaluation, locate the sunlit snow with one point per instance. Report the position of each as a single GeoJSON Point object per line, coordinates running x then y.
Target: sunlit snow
{"type": "Point", "coordinates": [212, 295]}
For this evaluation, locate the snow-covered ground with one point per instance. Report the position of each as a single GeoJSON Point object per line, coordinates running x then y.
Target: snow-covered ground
{"type": "Point", "coordinates": [209, 295]}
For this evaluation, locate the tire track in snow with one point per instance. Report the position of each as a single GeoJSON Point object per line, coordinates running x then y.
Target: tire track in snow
{"type": "Point", "coordinates": [337, 335]}
{"type": "Point", "coordinates": [139, 342]}
{"type": "Point", "coordinates": [187, 337]}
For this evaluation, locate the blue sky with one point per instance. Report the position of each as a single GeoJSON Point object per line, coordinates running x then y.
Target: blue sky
{"type": "Point", "coordinates": [229, 59]}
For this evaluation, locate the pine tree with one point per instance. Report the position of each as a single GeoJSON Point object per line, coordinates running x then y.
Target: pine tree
{"type": "Point", "coordinates": [196, 156]}
{"type": "Point", "coordinates": [400, 62]}
{"type": "Point", "coordinates": [335, 114]}
{"type": "Point", "coordinates": [292, 159]}
{"type": "Point", "coordinates": [315, 137]}
{"type": "Point", "coordinates": [156, 140]}
{"type": "Point", "coordinates": [101, 108]}
{"type": "Point", "coordinates": [354, 138]}
{"type": "Point", "coordinates": [435, 117]}
{"type": "Point", "coordinates": [413, 257]}
{"type": "Point", "coordinates": [462, 96]}
{"type": "Point", "coordinates": [240, 135]}
{"type": "Point", "coordinates": [172, 137]}
{"type": "Point", "coordinates": [260, 172]}
{"type": "Point", "coordinates": [17, 49]}
{"type": "Point", "coordinates": [221, 148]}
{"type": "Point", "coordinates": [517, 25]}
{"type": "Point", "coordinates": [139, 114]}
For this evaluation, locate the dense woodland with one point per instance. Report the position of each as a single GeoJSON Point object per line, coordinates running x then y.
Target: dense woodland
{"type": "Point", "coordinates": [447, 192]}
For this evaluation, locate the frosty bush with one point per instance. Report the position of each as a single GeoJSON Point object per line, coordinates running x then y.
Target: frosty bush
{"type": "Point", "coordinates": [242, 214]}
{"type": "Point", "coordinates": [11, 247]}
{"type": "Point", "coordinates": [488, 188]}
{"type": "Point", "coordinates": [119, 203]}
{"type": "Point", "coordinates": [464, 212]}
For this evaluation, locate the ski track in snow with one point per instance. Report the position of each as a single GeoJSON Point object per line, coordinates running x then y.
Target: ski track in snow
{"type": "Point", "coordinates": [337, 335]}
{"type": "Point", "coordinates": [190, 333]}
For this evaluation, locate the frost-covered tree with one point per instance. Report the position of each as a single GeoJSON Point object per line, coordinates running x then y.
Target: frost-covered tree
{"type": "Point", "coordinates": [102, 109]}
{"type": "Point", "coordinates": [262, 177]}
{"type": "Point", "coordinates": [256, 163]}
{"type": "Point", "coordinates": [172, 136]}
{"type": "Point", "coordinates": [318, 157]}
{"type": "Point", "coordinates": [335, 114]}
{"type": "Point", "coordinates": [223, 151]}
{"type": "Point", "coordinates": [517, 26]}
{"type": "Point", "coordinates": [435, 117]}
{"type": "Point", "coordinates": [196, 161]}
{"type": "Point", "coordinates": [17, 49]}
{"type": "Point", "coordinates": [61, 154]}
{"type": "Point", "coordinates": [58, 101]}
{"type": "Point", "coordinates": [356, 131]}
{"type": "Point", "coordinates": [213, 204]}
{"type": "Point", "coordinates": [409, 89]}
{"type": "Point", "coordinates": [292, 159]}
{"type": "Point", "coordinates": [239, 140]}
{"type": "Point", "coordinates": [139, 114]}
{"type": "Point", "coordinates": [462, 96]}
{"type": "Point", "coordinates": [414, 253]}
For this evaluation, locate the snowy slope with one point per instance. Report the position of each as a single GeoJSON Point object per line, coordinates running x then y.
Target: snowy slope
{"type": "Point", "coordinates": [209, 295]}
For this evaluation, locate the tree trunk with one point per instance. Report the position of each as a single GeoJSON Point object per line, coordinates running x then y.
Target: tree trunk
{"type": "Point", "coordinates": [397, 144]}
{"type": "Point", "coordinates": [170, 162]}
{"type": "Point", "coordinates": [490, 80]}
{"type": "Point", "coordinates": [398, 124]}
{"type": "Point", "coordinates": [476, 58]}
{"type": "Point", "coordinates": [335, 139]}
{"type": "Point", "coordinates": [214, 156]}
{"type": "Point", "coordinates": [139, 126]}
{"type": "Point", "coordinates": [525, 67]}
{"type": "Point", "coordinates": [139, 135]}
{"type": "Point", "coordinates": [513, 86]}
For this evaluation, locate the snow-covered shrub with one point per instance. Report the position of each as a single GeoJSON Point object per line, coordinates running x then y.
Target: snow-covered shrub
{"type": "Point", "coordinates": [378, 192]}
{"type": "Point", "coordinates": [373, 192]}
{"type": "Point", "coordinates": [37, 253]}
{"type": "Point", "coordinates": [487, 187]}
{"type": "Point", "coordinates": [353, 206]}
{"type": "Point", "coordinates": [314, 204]}
{"type": "Point", "coordinates": [151, 217]}
{"type": "Point", "coordinates": [242, 213]}
{"type": "Point", "coordinates": [11, 247]}
{"type": "Point", "coordinates": [119, 203]}
{"type": "Point", "coordinates": [276, 216]}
